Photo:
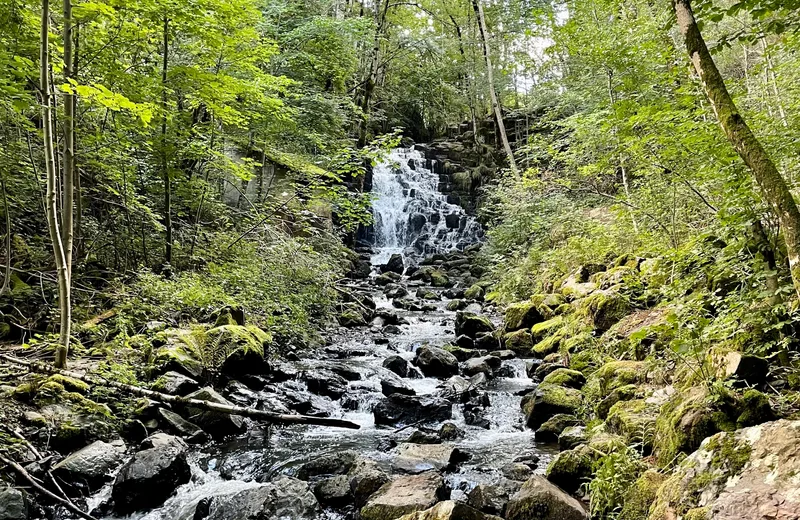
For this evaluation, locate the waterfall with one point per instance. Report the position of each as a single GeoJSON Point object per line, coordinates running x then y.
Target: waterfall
{"type": "Point", "coordinates": [412, 217]}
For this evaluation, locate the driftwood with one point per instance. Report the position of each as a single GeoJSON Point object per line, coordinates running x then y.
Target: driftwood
{"type": "Point", "coordinates": [269, 417]}
{"type": "Point", "coordinates": [43, 490]}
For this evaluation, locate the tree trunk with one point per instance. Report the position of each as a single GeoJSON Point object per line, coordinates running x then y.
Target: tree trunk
{"type": "Point", "coordinates": [68, 159]}
{"type": "Point", "coordinates": [164, 157]}
{"type": "Point", "coordinates": [7, 275]}
{"type": "Point", "coordinates": [77, 173]}
{"type": "Point", "coordinates": [773, 187]}
{"type": "Point", "coordinates": [372, 71]}
{"type": "Point", "coordinates": [498, 114]}
{"type": "Point", "coordinates": [52, 187]}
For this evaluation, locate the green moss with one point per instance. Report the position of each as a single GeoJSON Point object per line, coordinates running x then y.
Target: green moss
{"type": "Point", "coordinates": [545, 328]}
{"type": "Point", "coordinates": [756, 409]}
{"type": "Point", "coordinates": [614, 375]}
{"type": "Point", "coordinates": [550, 344]}
{"type": "Point", "coordinates": [571, 468]}
{"type": "Point", "coordinates": [698, 513]}
{"type": "Point", "coordinates": [638, 499]}
{"type": "Point", "coordinates": [729, 455]}
{"type": "Point", "coordinates": [70, 383]}
{"type": "Point", "coordinates": [578, 342]}
{"type": "Point", "coordinates": [604, 308]}
{"type": "Point", "coordinates": [623, 393]}
{"type": "Point", "coordinates": [524, 315]}
{"type": "Point", "coordinates": [565, 377]}
{"type": "Point", "coordinates": [519, 341]}
{"type": "Point", "coordinates": [586, 362]}
{"type": "Point", "coordinates": [635, 420]}
{"type": "Point", "coordinates": [439, 279]}
{"type": "Point", "coordinates": [474, 293]}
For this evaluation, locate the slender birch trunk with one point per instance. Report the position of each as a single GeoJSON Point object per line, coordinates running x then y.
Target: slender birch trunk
{"type": "Point", "coordinates": [68, 159]}
{"type": "Point", "coordinates": [164, 157]}
{"type": "Point", "coordinates": [498, 114]}
{"type": "Point", "coordinates": [773, 187]}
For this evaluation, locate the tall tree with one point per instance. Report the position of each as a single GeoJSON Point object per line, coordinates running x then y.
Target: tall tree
{"type": "Point", "coordinates": [498, 113]}
{"type": "Point", "coordinates": [62, 268]}
{"type": "Point", "coordinates": [773, 186]}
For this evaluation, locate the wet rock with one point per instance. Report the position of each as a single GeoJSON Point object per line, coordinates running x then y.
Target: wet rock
{"type": "Point", "coordinates": [552, 427]}
{"type": "Point", "coordinates": [352, 317]}
{"type": "Point", "coordinates": [571, 437]}
{"type": "Point", "coordinates": [464, 341]}
{"type": "Point", "coordinates": [458, 389]}
{"type": "Point", "coordinates": [423, 437]}
{"type": "Point", "coordinates": [453, 294]}
{"type": "Point", "coordinates": [408, 304]}
{"type": "Point", "coordinates": [334, 491]}
{"type": "Point", "coordinates": [180, 426]}
{"type": "Point", "coordinates": [394, 290]}
{"type": "Point", "coordinates": [91, 466]}
{"type": "Point", "coordinates": [417, 458]}
{"type": "Point", "coordinates": [405, 409]}
{"type": "Point", "coordinates": [486, 341]}
{"type": "Point", "coordinates": [387, 278]}
{"type": "Point", "coordinates": [470, 324]}
{"type": "Point", "coordinates": [451, 220]}
{"type": "Point", "coordinates": [529, 459]}
{"type": "Point", "coordinates": [392, 329]}
{"type": "Point", "coordinates": [416, 222]}
{"type": "Point", "coordinates": [483, 365]}
{"type": "Point", "coordinates": [463, 354]}
{"type": "Point", "coordinates": [540, 500]}
{"type": "Point", "coordinates": [365, 478]}
{"type": "Point", "coordinates": [394, 265]}
{"type": "Point", "coordinates": [492, 498]}
{"type": "Point", "coordinates": [392, 384]}
{"type": "Point", "coordinates": [406, 494]}
{"type": "Point", "coordinates": [427, 294]}
{"type": "Point", "coordinates": [517, 471]}
{"type": "Point", "coordinates": [571, 468]}
{"type": "Point", "coordinates": [151, 476]}
{"type": "Point", "coordinates": [324, 382]}
{"type": "Point", "coordinates": [216, 424]}
{"type": "Point", "coordinates": [359, 269]}
{"type": "Point", "coordinates": [397, 364]}
{"type": "Point", "coordinates": [519, 341]}
{"type": "Point", "coordinates": [450, 432]}
{"type": "Point", "coordinates": [549, 400]}
{"type": "Point", "coordinates": [13, 504]}
{"type": "Point", "coordinates": [456, 305]}
{"type": "Point", "coordinates": [338, 463]}
{"type": "Point", "coordinates": [449, 510]}
{"type": "Point", "coordinates": [436, 362]}
{"type": "Point", "coordinates": [175, 384]}
{"type": "Point", "coordinates": [283, 498]}
{"type": "Point", "coordinates": [503, 355]}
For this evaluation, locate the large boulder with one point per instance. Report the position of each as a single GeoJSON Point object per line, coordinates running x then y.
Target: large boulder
{"type": "Point", "coordinates": [242, 349]}
{"type": "Point", "coordinates": [538, 499]}
{"type": "Point", "coordinates": [398, 365]}
{"type": "Point", "coordinates": [392, 384]}
{"type": "Point", "coordinates": [90, 466]}
{"type": "Point", "coordinates": [471, 325]}
{"type": "Point", "coordinates": [417, 458]}
{"type": "Point", "coordinates": [745, 368]}
{"type": "Point", "coordinates": [394, 265]}
{"type": "Point", "coordinates": [436, 362]}
{"type": "Point", "coordinates": [750, 473]}
{"type": "Point", "coordinates": [605, 308]}
{"type": "Point", "coordinates": [283, 498]}
{"type": "Point", "coordinates": [482, 365]}
{"type": "Point", "coordinates": [217, 424]}
{"type": "Point", "coordinates": [492, 498]}
{"type": "Point", "coordinates": [365, 478]}
{"type": "Point", "coordinates": [565, 377]}
{"type": "Point", "coordinates": [176, 384]}
{"type": "Point", "coordinates": [449, 510]}
{"type": "Point", "coordinates": [551, 429]}
{"type": "Point", "coordinates": [13, 504]}
{"type": "Point", "coordinates": [398, 409]}
{"type": "Point", "coordinates": [336, 463]}
{"type": "Point", "coordinates": [635, 420]}
{"type": "Point", "coordinates": [519, 341]}
{"type": "Point", "coordinates": [571, 468]}
{"type": "Point", "coordinates": [403, 495]}
{"type": "Point", "coordinates": [334, 491]}
{"type": "Point", "coordinates": [523, 315]}
{"type": "Point", "coordinates": [549, 400]}
{"type": "Point", "coordinates": [151, 476]}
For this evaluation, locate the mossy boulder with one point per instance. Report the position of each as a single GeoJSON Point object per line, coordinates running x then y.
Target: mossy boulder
{"type": "Point", "coordinates": [541, 500]}
{"type": "Point", "coordinates": [689, 417]}
{"type": "Point", "coordinates": [604, 308]}
{"type": "Point", "coordinates": [474, 293]}
{"type": "Point", "coordinates": [70, 384]}
{"type": "Point", "coordinates": [635, 420]}
{"type": "Point", "coordinates": [471, 325]}
{"type": "Point", "coordinates": [639, 497]}
{"type": "Point", "coordinates": [756, 409]}
{"type": "Point", "coordinates": [586, 362]}
{"type": "Point", "coordinates": [180, 350]}
{"type": "Point", "coordinates": [623, 393]}
{"type": "Point", "coordinates": [552, 427]}
{"type": "Point", "coordinates": [571, 468]}
{"type": "Point", "coordinates": [546, 328]}
{"type": "Point", "coordinates": [614, 276]}
{"type": "Point", "coordinates": [550, 301]}
{"type": "Point", "coordinates": [523, 315]}
{"type": "Point", "coordinates": [549, 400]}
{"type": "Point", "coordinates": [439, 279]}
{"type": "Point", "coordinates": [238, 350]}
{"type": "Point", "coordinates": [550, 344]}
{"type": "Point", "coordinates": [614, 375]}
{"type": "Point", "coordinates": [565, 377]}
{"type": "Point", "coordinates": [519, 341]}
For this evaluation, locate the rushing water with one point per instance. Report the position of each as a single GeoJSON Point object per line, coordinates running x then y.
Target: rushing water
{"type": "Point", "coordinates": [412, 217]}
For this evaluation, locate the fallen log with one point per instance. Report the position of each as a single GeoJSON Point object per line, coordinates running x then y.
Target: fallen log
{"type": "Point", "coordinates": [269, 417]}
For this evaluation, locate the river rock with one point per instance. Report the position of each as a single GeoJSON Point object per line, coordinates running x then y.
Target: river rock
{"type": "Point", "coordinates": [552, 427]}
{"type": "Point", "coordinates": [334, 491]}
{"type": "Point", "coordinates": [406, 409]}
{"type": "Point", "coordinates": [337, 463]}
{"type": "Point", "coordinates": [283, 498]}
{"type": "Point", "coordinates": [365, 478]}
{"type": "Point", "coordinates": [571, 468]}
{"type": "Point", "coordinates": [180, 426]}
{"type": "Point", "coordinates": [549, 400]}
{"type": "Point", "coordinates": [176, 384]}
{"type": "Point", "coordinates": [394, 290]}
{"type": "Point", "coordinates": [492, 498]}
{"type": "Point", "coordinates": [90, 466]}
{"type": "Point", "coordinates": [517, 471]}
{"type": "Point", "coordinates": [359, 269]}
{"type": "Point", "coordinates": [394, 265]}
{"type": "Point", "coordinates": [217, 424]}
{"type": "Point", "coordinates": [470, 324]}
{"type": "Point", "coordinates": [397, 364]}
{"type": "Point", "coordinates": [450, 432]}
{"type": "Point", "coordinates": [458, 389]}
{"type": "Point", "coordinates": [571, 437]}
{"type": "Point", "coordinates": [523, 315]}
{"type": "Point", "coordinates": [387, 278]}
{"type": "Point", "coordinates": [406, 494]}
{"type": "Point", "coordinates": [483, 365]}
{"type": "Point", "coordinates": [152, 475]}
{"type": "Point", "coordinates": [436, 362]}
{"type": "Point", "coordinates": [538, 499]}
{"type": "Point", "coordinates": [392, 384]}
{"type": "Point", "coordinates": [449, 510]}
{"type": "Point", "coordinates": [13, 504]}
{"type": "Point", "coordinates": [417, 458]}
{"type": "Point", "coordinates": [324, 382]}
{"type": "Point", "coordinates": [565, 377]}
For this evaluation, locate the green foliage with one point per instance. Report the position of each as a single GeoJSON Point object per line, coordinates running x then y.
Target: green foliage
{"type": "Point", "coordinates": [614, 474]}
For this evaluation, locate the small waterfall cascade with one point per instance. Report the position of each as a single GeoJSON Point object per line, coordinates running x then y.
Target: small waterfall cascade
{"type": "Point", "coordinates": [412, 217]}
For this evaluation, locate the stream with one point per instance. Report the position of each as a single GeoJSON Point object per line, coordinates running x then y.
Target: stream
{"type": "Point", "coordinates": [405, 188]}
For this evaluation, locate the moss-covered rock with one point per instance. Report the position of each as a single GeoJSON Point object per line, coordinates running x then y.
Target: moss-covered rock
{"type": "Point", "coordinates": [570, 469]}
{"type": "Point", "coordinates": [237, 350]}
{"type": "Point", "coordinates": [70, 384]}
{"type": "Point", "coordinates": [614, 375]}
{"type": "Point", "coordinates": [546, 328]}
{"type": "Point", "coordinates": [523, 315]}
{"type": "Point", "coordinates": [180, 350]}
{"type": "Point", "coordinates": [756, 409]}
{"type": "Point", "coordinates": [586, 362]}
{"type": "Point", "coordinates": [552, 427]}
{"type": "Point", "coordinates": [439, 279]}
{"type": "Point", "coordinates": [565, 377]}
{"type": "Point", "coordinates": [638, 499]}
{"type": "Point", "coordinates": [604, 308]}
{"type": "Point", "coordinates": [550, 344]}
{"type": "Point", "coordinates": [689, 417]}
{"type": "Point", "coordinates": [471, 325]}
{"type": "Point", "coordinates": [572, 437]}
{"type": "Point", "coordinates": [474, 293]}
{"type": "Point", "coordinates": [623, 393]}
{"type": "Point", "coordinates": [519, 341]}
{"type": "Point", "coordinates": [540, 500]}
{"type": "Point", "coordinates": [549, 400]}
{"type": "Point", "coordinates": [635, 420]}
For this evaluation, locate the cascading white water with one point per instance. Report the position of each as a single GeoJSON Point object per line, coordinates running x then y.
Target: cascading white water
{"type": "Point", "coordinates": [412, 216]}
